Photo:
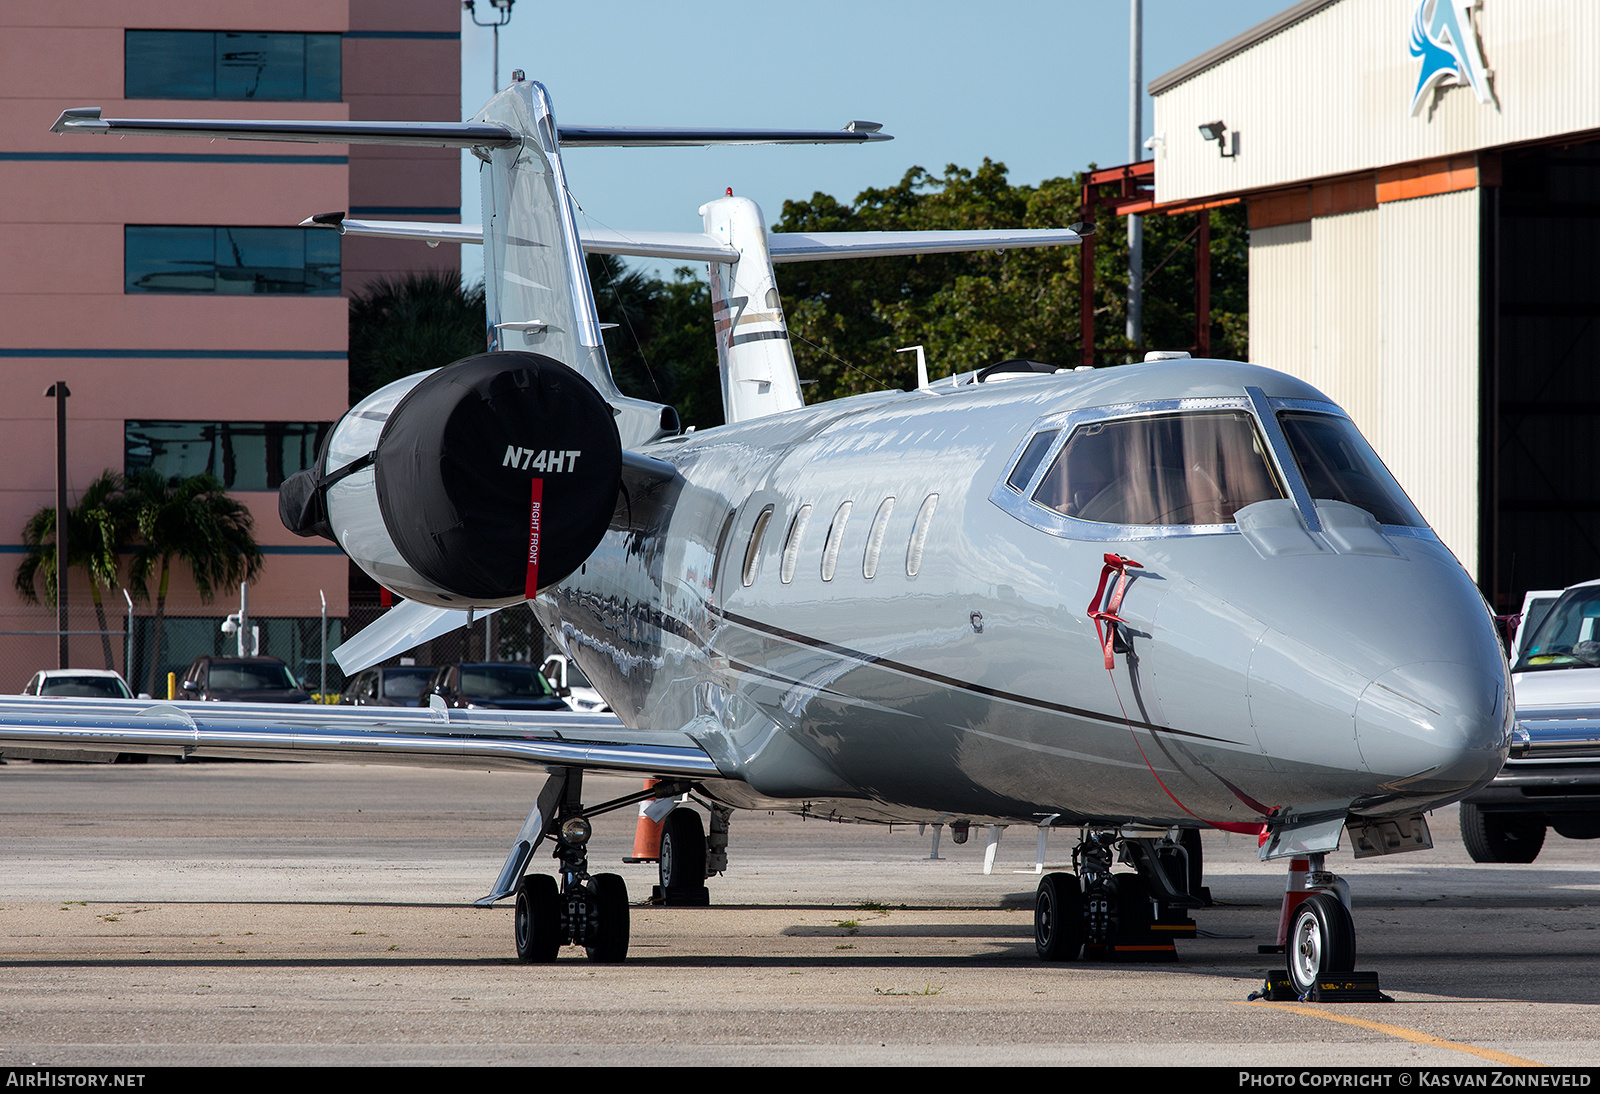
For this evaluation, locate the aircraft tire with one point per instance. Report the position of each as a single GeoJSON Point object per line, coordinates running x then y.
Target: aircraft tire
{"type": "Point", "coordinates": [1500, 837]}
{"type": "Point", "coordinates": [538, 918]}
{"type": "Point", "coordinates": [1322, 939]}
{"type": "Point", "coordinates": [610, 945]}
{"type": "Point", "coordinates": [682, 860]}
{"type": "Point", "coordinates": [1058, 918]}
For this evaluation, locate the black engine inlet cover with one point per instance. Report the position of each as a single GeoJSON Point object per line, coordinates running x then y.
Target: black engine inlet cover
{"type": "Point", "coordinates": [456, 460]}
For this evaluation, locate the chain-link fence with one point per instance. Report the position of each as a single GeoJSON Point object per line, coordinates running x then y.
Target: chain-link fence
{"type": "Point", "coordinates": [110, 639]}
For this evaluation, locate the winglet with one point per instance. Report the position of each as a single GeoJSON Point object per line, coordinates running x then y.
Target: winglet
{"type": "Point", "coordinates": [80, 119]}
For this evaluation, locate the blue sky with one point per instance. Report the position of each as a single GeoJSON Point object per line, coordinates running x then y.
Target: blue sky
{"type": "Point", "coordinates": [1040, 86]}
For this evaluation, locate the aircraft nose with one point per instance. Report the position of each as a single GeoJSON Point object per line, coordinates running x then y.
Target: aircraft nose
{"type": "Point", "coordinates": [1435, 726]}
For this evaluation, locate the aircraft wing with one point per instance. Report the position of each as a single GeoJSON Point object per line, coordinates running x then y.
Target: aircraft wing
{"type": "Point", "coordinates": [501, 740]}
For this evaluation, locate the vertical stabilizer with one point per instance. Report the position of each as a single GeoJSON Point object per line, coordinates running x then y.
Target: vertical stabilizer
{"type": "Point", "coordinates": [537, 287]}
{"type": "Point", "coordinates": [758, 373]}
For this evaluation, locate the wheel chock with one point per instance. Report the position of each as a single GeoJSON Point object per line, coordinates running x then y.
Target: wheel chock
{"type": "Point", "coordinates": [1333, 987]}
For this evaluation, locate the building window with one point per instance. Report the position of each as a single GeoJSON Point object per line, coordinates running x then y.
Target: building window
{"type": "Point", "coordinates": [244, 455]}
{"type": "Point", "coordinates": [203, 64]}
{"type": "Point", "coordinates": [230, 261]}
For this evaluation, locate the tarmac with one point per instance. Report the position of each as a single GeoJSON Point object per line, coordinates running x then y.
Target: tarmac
{"type": "Point", "coordinates": [242, 913]}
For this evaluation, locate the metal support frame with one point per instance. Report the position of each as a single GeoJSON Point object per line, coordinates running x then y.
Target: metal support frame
{"type": "Point", "coordinates": [1134, 195]}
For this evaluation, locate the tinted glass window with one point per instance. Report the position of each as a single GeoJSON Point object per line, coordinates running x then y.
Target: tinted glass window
{"type": "Point", "coordinates": [203, 64]}
{"type": "Point", "coordinates": [405, 683]}
{"type": "Point", "coordinates": [256, 676]}
{"type": "Point", "coordinates": [1166, 469]}
{"type": "Point", "coordinates": [235, 261]}
{"type": "Point", "coordinates": [504, 682]}
{"type": "Point", "coordinates": [1337, 463]}
{"type": "Point", "coordinates": [244, 455]}
{"type": "Point", "coordinates": [86, 687]}
{"type": "Point", "coordinates": [1568, 637]}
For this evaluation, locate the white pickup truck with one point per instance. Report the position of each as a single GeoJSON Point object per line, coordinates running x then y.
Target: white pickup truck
{"type": "Point", "coordinates": [1552, 779]}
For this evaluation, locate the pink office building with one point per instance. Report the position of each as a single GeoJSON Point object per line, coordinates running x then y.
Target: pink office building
{"type": "Point", "coordinates": [166, 282]}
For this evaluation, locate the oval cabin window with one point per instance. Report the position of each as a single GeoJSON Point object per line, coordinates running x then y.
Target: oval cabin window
{"type": "Point", "coordinates": [880, 525]}
{"type": "Point", "coordinates": [830, 550]}
{"type": "Point", "coordinates": [752, 552]}
{"type": "Point", "coordinates": [791, 543]}
{"type": "Point", "coordinates": [919, 534]}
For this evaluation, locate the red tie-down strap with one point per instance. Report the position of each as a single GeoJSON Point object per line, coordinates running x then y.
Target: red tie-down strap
{"type": "Point", "coordinates": [1105, 617]}
{"type": "Point", "coordinates": [535, 507]}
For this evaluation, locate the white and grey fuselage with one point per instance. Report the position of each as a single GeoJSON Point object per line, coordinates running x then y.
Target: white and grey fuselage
{"type": "Point", "coordinates": [868, 609]}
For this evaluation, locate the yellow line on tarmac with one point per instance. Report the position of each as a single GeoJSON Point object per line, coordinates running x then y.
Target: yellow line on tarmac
{"type": "Point", "coordinates": [1401, 1032]}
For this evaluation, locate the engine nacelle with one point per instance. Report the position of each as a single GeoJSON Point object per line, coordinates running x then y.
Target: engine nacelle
{"type": "Point", "coordinates": [427, 484]}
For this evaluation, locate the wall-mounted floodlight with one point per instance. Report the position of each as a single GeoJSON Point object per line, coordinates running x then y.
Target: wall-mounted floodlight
{"type": "Point", "coordinates": [1217, 131]}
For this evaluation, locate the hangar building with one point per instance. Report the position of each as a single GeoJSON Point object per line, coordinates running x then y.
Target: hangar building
{"type": "Point", "coordinates": [1423, 183]}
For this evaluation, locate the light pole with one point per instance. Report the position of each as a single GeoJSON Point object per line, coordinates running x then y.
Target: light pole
{"type": "Point", "coordinates": [58, 391]}
{"type": "Point", "coordinates": [503, 7]}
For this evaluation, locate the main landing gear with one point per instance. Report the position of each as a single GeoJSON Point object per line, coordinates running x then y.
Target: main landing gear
{"type": "Point", "coordinates": [1126, 916]}
{"type": "Point", "coordinates": [577, 907]}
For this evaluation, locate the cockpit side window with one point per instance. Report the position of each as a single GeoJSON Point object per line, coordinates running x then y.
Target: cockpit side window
{"type": "Point", "coordinates": [1337, 463]}
{"type": "Point", "coordinates": [1022, 474]}
{"type": "Point", "coordinates": [1185, 468]}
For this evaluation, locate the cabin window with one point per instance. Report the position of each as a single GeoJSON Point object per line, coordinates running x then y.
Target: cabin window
{"type": "Point", "coordinates": [1022, 474]}
{"type": "Point", "coordinates": [880, 525]}
{"type": "Point", "coordinates": [919, 534]}
{"type": "Point", "coordinates": [752, 552]}
{"type": "Point", "coordinates": [830, 550]}
{"type": "Point", "coordinates": [1193, 468]}
{"type": "Point", "coordinates": [1338, 464]}
{"type": "Point", "coordinates": [791, 543]}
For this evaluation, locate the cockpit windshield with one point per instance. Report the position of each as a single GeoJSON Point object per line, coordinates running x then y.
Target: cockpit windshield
{"type": "Point", "coordinates": [1568, 637]}
{"type": "Point", "coordinates": [1338, 464]}
{"type": "Point", "coordinates": [1184, 468]}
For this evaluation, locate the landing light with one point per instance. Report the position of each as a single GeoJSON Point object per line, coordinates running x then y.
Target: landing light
{"type": "Point", "coordinates": [575, 831]}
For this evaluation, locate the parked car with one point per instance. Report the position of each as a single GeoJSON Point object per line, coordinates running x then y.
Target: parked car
{"type": "Point", "coordinates": [397, 686]}
{"type": "Point", "coordinates": [571, 684]}
{"type": "Point", "coordinates": [494, 685]}
{"type": "Point", "coordinates": [242, 680]}
{"type": "Point", "coordinates": [1553, 779]}
{"type": "Point", "coordinates": [79, 683]}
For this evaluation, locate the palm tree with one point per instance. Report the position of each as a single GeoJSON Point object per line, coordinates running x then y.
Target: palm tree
{"type": "Point", "coordinates": [95, 527]}
{"type": "Point", "coordinates": [196, 522]}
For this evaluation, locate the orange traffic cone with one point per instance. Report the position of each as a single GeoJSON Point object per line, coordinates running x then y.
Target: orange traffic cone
{"type": "Point", "coordinates": [646, 834]}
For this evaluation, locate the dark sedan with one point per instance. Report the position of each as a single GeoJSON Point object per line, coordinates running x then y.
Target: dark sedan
{"type": "Point", "coordinates": [497, 685]}
{"type": "Point", "coordinates": [242, 680]}
{"type": "Point", "coordinates": [396, 686]}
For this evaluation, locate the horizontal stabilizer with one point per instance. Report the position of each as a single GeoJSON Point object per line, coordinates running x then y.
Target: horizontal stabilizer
{"type": "Point", "coordinates": [430, 134]}
{"type": "Point", "coordinates": [87, 119]}
{"type": "Point", "coordinates": [824, 246]}
{"type": "Point", "coordinates": [689, 246]}
{"type": "Point", "coordinates": [700, 247]}
{"type": "Point", "coordinates": [405, 626]}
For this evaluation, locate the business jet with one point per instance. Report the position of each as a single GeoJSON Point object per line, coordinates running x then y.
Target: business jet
{"type": "Point", "coordinates": [1131, 602]}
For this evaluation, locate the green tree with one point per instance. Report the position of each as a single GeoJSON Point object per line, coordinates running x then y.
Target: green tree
{"type": "Point", "coordinates": [96, 526]}
{"type": "Point", "coordinates": [847, 318]}
{"type": "Point", "coordinates": [410, 324]}
{"type": "Point", "coordinates": [662, 347]}
{"type": "Point", "coordinates": [194, 521]}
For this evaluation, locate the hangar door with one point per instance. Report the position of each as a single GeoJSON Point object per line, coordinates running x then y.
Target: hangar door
{"type": "Point", "coordinates": [1541, 524]}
